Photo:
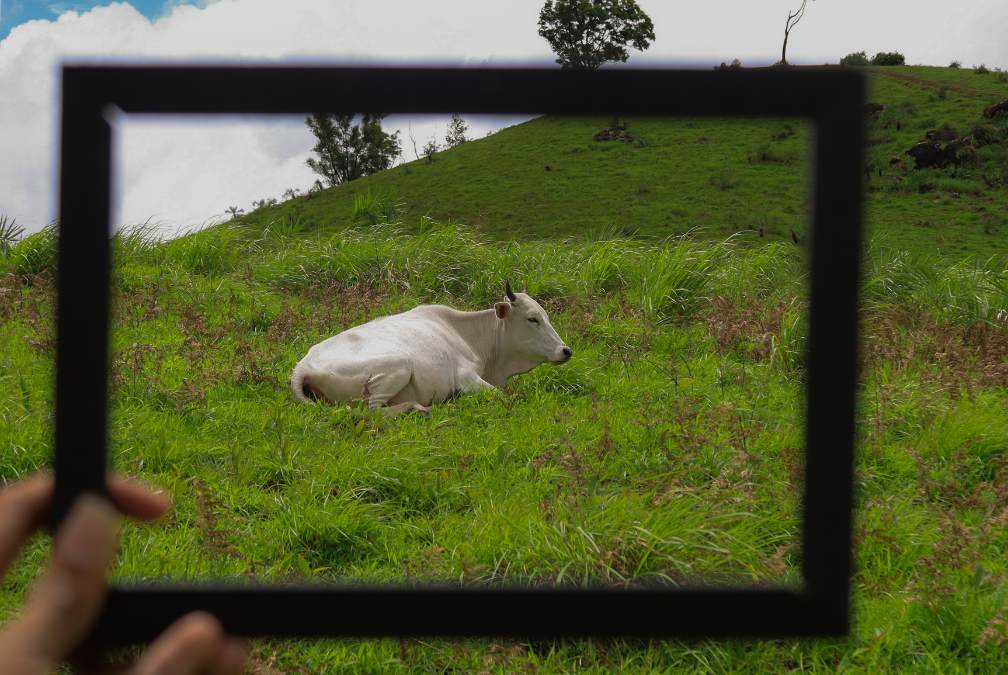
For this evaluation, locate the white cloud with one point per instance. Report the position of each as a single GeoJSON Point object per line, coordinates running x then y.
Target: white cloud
{"type": "Point", "coordinates": [185, 172]}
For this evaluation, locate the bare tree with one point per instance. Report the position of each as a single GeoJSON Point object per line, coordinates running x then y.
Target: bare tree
{"type": "Point", "coordinates": [792, 21]}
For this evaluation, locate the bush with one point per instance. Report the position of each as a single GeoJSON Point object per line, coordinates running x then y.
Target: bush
{"type": "Point", "coordinates": [888, 59]}
{"type": "Point", "coordinates": [985, 134]}
{"type": "Point", "coordinates": [786, 131]}
{"type": "Point", "coordinates": [723, 180]}
{"type": "Point", "coordinates": [981, 69]}
{"type": "Point", "coordinates": [734, 65]}
{"type": "Point", "coordinates": [855, 59]}
{"type": "Point", "coordinates": [955, 64]}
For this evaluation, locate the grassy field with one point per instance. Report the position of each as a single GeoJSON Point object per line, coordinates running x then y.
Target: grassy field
{"type": "Point", "coordinates": [667, 451]}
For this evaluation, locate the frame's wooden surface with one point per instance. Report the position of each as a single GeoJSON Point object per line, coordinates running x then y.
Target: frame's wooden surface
{"type": "Point", "coordinates": [831, 99]}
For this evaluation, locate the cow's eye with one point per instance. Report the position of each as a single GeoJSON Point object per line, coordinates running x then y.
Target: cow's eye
{"type": "Point", "coordinates": [534, 320]}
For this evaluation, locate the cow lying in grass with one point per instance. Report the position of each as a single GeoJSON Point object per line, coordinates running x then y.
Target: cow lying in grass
{"type": "Point", "coordinates": [410, 360]}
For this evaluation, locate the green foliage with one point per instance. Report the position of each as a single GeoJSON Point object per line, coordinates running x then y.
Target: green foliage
{"type": "Point", "coordinates": [725, 179]}
{"type": "Point", "coordinates": [347, 151]}
{"type": "Point", "coordinates": [584, 34]}
{"type": "Point", "coordinates": [375, 207]}
{"type": "Point", "coordinates": [855, 59]}
{"type": "Point", "coordinates": [674, 279]}
{"type": "Point", "coordinates": [430, 149]}
{"type": "Point", "coordinates": [36, 253]}
{"type": "Point", "coordinates": [457, 128]}
{"type": "Point", "coordinates": [986, 134]}
{"type": "Point", "coordinates": [888, 59]}
{"type": "Point", "coordinates": [981, 69]}
{"type": "Point", "coordinates": [10, 233]}
{"type": "Point", "coordinates": [210, 252]}
{"type": "Point", "coordinates": [966, 292]}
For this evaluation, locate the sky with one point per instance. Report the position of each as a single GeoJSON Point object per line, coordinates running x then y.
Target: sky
{"type": "Point", "coordinates": [181, 172]}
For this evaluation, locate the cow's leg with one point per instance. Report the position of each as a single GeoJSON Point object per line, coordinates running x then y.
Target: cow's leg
{"type": "Point", "coordinates": [470, 381]}
{"type": "Point", "coordinates": [408, 406]}
{"type": "Point", "coordinates": [382, 387]}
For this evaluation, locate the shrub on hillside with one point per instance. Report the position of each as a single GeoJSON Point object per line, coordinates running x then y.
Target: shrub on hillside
{"type": "Point", "coordinates": [723, 180]}
{"type": "Point", "coordinates": [981, 69]}
{"type": "Point", "coordinates": [430, 149]}
{"type": "Point", "coordinates": [985, 134]}
{"type": "Point", "coordinates": [457, 128]}
{"type": "Point", "coordinates": [855, 59]}
{"type": "Point", "coordinates": [734, 65]}
{"type": "Point", "coordinates": [888, 59]}
{"type": "Point", "coordinates": [955, 64]}
{"type": "Point", "coordinates": [786, 131]}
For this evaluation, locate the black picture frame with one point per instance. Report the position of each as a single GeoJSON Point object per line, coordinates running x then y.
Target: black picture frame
{"type": "Point", "coordinates": [831, 99]}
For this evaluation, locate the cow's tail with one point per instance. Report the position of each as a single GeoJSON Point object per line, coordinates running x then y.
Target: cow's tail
{"type": "Point", "coordinates": [303, 389]}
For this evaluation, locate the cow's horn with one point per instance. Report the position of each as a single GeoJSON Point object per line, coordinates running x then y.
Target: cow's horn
{"type": "Point", "coordinates": [507, 291]}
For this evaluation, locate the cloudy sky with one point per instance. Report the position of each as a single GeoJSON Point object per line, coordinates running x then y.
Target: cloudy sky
{"type": "Point", "coordinates": [184, 172]}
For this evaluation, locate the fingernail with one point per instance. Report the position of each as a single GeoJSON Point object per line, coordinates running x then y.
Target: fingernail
{"type": "Point", "coordinates": [87, 538]}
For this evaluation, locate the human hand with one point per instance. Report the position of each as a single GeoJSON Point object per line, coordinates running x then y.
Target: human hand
{"type": "Point", "coordinates": [67, 599]}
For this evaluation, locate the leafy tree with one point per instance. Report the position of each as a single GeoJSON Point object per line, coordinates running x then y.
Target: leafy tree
{"type": "Point", "coordinates": [584, 34]}
{"type": "Point", "coordinates": [347, 151]}
{"type": "Point", "coordinates": [456, 131]}
{"type": "Point", "coordinates": [888, 59]}
{"type": "Point", "coordinates": [430, 149]}
{"type": "Point", "coordinates": [855, 59]}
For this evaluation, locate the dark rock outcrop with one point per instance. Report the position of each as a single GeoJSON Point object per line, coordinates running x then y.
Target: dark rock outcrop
{"type": "Point", "coordinates": [927, 154]}
{"type": "Point", "coordinates": [943, 134]}
{"type": "Point", "coordinates": [997, 109]}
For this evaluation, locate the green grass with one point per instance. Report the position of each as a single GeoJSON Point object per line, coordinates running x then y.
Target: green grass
{"type": "Point", "coordinates": [667, 451]}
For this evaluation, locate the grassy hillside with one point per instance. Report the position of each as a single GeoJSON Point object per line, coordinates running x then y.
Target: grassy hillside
{"type": "Point", "coordinates": [666, 451]}
{"type": "Point", "coordinates": [549, 177]}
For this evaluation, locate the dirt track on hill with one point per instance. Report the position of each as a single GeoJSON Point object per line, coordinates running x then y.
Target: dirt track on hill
{"type": "Point", "coordinates": [933, 84]}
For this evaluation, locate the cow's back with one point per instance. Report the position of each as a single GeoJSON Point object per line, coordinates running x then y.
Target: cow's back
{"type": "Point", "coordinates": [420, 340]}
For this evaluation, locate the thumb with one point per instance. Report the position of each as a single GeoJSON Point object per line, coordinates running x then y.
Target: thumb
{"type": "Point", "coordinates": [67, 599]}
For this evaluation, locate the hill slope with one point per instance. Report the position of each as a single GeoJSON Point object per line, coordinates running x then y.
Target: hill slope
{"type": "Point", "coordinates": [548, 177]}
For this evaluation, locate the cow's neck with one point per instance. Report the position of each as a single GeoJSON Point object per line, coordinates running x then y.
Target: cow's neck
{"type": "Point", "coordinates": [485, 334]}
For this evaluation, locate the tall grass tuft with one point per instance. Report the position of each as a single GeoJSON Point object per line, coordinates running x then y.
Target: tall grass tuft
{"type": "Point", "coordinates": [36, 253]}
{"type": "Point", "coordinates": [674, 279]}
{"type": "Point", "coordinates": [964, 292]}
{"type": "Point", "coordinates": [374, 207]}
{"type": "Point", "coordinates": [210, 252]}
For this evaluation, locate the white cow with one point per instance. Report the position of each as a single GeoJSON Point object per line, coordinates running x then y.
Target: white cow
{"type": "Point", "coordinates": [410, 360]}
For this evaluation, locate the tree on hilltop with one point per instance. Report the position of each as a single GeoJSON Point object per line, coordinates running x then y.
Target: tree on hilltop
{"type": "Point", "coordinates": [584, 34]}
{"type": "Point", "coordinates": [347, 151]}
{"type": "Point", "coordinates": [792, 21]}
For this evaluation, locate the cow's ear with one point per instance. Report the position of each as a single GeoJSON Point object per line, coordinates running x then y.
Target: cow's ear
{"type": "Point", "coordinates": [502, 309]}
